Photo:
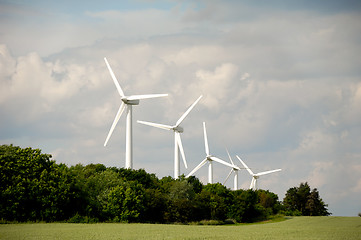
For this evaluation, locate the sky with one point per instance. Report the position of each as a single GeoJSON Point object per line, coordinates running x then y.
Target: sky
{"type": "Point", "coordinates": [281, 86]}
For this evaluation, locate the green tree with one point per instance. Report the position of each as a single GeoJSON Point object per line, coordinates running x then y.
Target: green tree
{"type": "Point", "coordinates": [196, 184]}
{"type": "Point", "coordinates": [124, 202]}
{"type": "Point", "coordinates": [94, 182]}
{"type": "Point", "coordinates": [269, 201]}
{"type": "Point", "coordinates": [33, 187]}
{"type": "Point", "coordinates": [301, 201]}
{"type": "Point", "coordinates": [140, 176]}
{"type": "Point", "coordinates": [315, 206]}
{"type": "Point", "coordinates": [213, 202]}
{"type": "Point", "coordinates": [244, 207]}
{"type": "Point", "coordinates": [180, 201]}
{"type": "Point", "coordinates": [155, 206]}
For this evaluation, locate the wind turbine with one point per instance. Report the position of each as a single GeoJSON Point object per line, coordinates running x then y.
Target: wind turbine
{"type": "Point", "coordinates": [255, 176]}
{"type": "Point", "coordinates": [127, 102]}
{"type": "Point", "coordinates": [234, 170]}
{"type": "Point", "coordinates": [178, 147]}
{"type": "Point", "coordinates": [209, 158]}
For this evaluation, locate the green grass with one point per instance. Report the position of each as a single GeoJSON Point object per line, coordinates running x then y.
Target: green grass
{"type": "Point", "coordinates": [295, 228]}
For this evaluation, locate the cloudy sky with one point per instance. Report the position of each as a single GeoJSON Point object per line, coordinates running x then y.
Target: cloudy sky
{"type": "Point", "coordinates": [281, 86]}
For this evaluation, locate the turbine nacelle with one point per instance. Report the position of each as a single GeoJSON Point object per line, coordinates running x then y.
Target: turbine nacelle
{"type": "Point", "coordinates": [178, 129]}
{"type": "Point", "coordinates": [236, 168]}
{"type": "Point", "coordinates": [209, 157]}
{"type": "Point", "coordinates": [130, 102]}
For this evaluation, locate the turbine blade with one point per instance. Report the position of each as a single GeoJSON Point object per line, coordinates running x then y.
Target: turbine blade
{"type": "Point", "coordinates": [249, 170]}
{"type": "Point", "coordinates": [180, 146]}
{"type": "Point", "coordinates": [267, 172]}
{"type": "Point", "coordinates": [119, 113]}
{"type": "Point", "coordinates": [229, 157]}
{"type": "Point", "coordinates": [228, 176]}
{"type": "Point", "coordinates": [252, 183]}
{"type": "Point", "coordinates": [145, 96]}
{"type": "Point", "coordinates": [114, 78]}
{"type": "Point", "coordinates": [157, 125]}
{"type": "Point", "coordinates": [221, 161]}
{"type": "Point", "coordinates": [198, 167]}
{"type": "Point", "coordinates": [180, 120]}
{"type": "Point", "coordinates": [205, 138]}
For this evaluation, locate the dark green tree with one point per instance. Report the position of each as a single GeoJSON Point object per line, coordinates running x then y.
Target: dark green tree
{"type": "Point", "coordinates": [301, 201]}
{"type": "Point", "coordinates": [269, 201]}
{"type": "Point", "coordinates": [141, 176]}
{"type": "Point", "coordinates": [244, 207]}
{"type": "Point", "coordinates": [315, 205]}
{"type": "Point", "coordinates": [33, 187]}
{"type": "Point", "coordinates": [124, 202]}
{"type": "Point", "coordinates": [213, 202]}
{"type": "Point", "coordinates": [155, 206]}
{"type": "Point", "coordinates": [94, 182]}
{"type": "Point", "coordinates": [180, 201]}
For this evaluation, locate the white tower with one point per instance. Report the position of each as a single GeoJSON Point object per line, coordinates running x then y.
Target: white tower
{"type": "Point", "coordinates": [127, 102]}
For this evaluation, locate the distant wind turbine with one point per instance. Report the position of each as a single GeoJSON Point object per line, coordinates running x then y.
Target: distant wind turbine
{"type": "Point", "coordinates": [127, 101]}
{"type": "Point", "coordinates": [177, 139]}
{"type": "Point", "coordinates": [209, 158]}
{"type": "Point", "coordinates": [234, 170]}
{"type": "Point", "coordinates": [255, 176]}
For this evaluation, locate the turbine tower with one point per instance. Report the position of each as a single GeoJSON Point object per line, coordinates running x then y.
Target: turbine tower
{"type": "Point", "coordinates": [234, 170]}
{"type": "Point", "coordinates": [209, 158]}
{"type": "Point", "coordinates": [127, 102]}
{"type": "Point", "coordinates": [178, 147]}
{"type": "Point", "coordinates": [255, 176]}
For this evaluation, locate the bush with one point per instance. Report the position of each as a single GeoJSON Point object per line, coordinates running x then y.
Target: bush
{"type": "Point", "coordinates": [230, 221]}
{"type": "Point", "coordinates": [82, 219]}
{"type": "Point", "coordinates": [211, 222]}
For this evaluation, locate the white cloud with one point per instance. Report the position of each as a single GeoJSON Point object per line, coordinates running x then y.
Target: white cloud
{"type": "Point", "coordinates": [216, 85]}
{"type": "Point", "coordinates": [7, 64]}
{"type": "Point", "coordinates": [245, 76]}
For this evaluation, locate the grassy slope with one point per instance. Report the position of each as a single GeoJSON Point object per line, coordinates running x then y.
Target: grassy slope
{"type": "Point", "coordinates": [296, 228]}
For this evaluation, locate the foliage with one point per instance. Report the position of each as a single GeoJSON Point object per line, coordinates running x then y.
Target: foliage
{"type": "Point", "coordinates": [124, 202]}
{"type": "Point", "coordinates": [302, 201]}
{"type": "Point", "coordinates": [34, 188]}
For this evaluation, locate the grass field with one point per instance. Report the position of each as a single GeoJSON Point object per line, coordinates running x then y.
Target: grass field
{"type": "Point", "coordinates": [295, 228]}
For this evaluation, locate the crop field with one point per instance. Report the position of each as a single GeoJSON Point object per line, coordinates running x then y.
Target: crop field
{"type": "Point", "coordinates": [295, 228]}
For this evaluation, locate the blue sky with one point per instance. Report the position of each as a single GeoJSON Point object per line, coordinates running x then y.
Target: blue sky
{"type": "Point", "coordinates": [281, 86]}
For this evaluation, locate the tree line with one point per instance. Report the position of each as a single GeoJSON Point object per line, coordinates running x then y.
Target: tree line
{"type": "Point", "coordinates": [35, 188]}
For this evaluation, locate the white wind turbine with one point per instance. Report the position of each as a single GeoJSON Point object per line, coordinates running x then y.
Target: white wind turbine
{"type": "Point", "coordinates": [209, 158]}
{"type": "Point", "coordinates": [127, 101]}
{"type": "Point", "coordinates": [255, 176]}
{"type": "Point", "coordinates": [178, 147]}
{"type": "Point", "coordinates": [234, 170]}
